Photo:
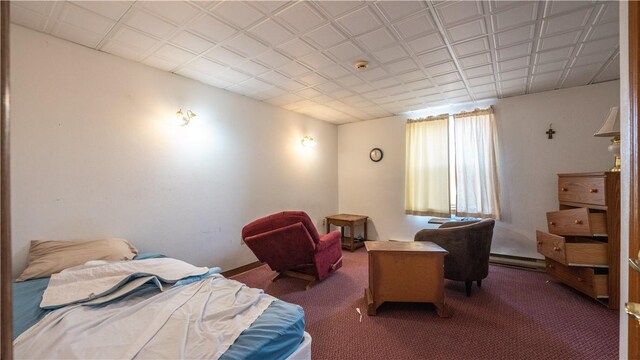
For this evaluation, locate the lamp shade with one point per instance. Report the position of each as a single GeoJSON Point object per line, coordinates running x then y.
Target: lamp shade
{"type": "Point", "coordinates": [611, 125]}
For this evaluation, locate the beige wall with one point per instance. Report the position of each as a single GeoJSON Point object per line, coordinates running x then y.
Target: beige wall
{"type": "Point", "coordinates": [94, 155]}
{"type": "Point", "coordinates": [528, 161]}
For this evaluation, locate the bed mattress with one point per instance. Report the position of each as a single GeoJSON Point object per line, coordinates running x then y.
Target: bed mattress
{"type": "Point", "coordinates": [274, 335]}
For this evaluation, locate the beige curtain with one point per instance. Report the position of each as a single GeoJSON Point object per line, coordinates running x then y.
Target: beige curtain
{"type": "Point", "coordinates": [427, 166]}
{"type": "Point", "coordinates": [476, 149]}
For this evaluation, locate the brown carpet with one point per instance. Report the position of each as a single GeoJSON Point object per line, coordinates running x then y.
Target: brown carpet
{"type": "Point", "coordinates": [515, 315]}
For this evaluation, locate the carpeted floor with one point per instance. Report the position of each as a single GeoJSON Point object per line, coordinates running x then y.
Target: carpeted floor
{"type": "Point", "coordinates": [515, 315]}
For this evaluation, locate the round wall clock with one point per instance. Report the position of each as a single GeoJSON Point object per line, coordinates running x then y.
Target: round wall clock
{"type": "Point", "coordinates": [376, 154]}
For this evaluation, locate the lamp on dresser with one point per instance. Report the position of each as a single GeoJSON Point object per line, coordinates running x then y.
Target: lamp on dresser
{"type": "Point", "coordinates": [611, 128]}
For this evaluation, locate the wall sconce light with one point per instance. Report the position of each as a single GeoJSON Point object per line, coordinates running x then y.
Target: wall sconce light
{"type": "Point", "coordinates": [308, 141]}
{"type": "Point", "coordinates": [611, 128]}
{"type": "Point", "coordinates": [185, 117]}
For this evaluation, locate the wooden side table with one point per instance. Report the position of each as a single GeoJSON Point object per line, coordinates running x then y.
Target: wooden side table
{"type": "Point", "coordinates": [405, 271]}
{"type": "Point", "coordinates": [351, 221]}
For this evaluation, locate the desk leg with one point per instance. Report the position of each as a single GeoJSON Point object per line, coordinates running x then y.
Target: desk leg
{"type": "Point", "coordinates": [352, 230]}
{"type": "Point", "coordinates": [372, 308]}
{"type": "Point", "coordinates": [365, 230]}
{"type": "Point", "coordinates": [442, 309]}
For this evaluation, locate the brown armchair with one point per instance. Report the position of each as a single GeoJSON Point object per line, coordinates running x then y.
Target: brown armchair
{"type": "Point", "coordinates": [468, 243]}
{"type": "Point", "coordinates": [290, 244]}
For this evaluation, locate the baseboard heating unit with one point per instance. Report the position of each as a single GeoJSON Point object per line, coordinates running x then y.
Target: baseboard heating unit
{"type": "Point", "coordinates": [517, 261]}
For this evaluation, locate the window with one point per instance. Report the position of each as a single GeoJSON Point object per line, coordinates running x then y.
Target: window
{"type": "Point", "coordinates": [451, 165]}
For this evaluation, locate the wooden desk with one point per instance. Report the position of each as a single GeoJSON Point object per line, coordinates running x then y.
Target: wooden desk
{"type": "Point", "coordinates": [405, 271]}
{"type": "Point", "coordinates": [351, 221]}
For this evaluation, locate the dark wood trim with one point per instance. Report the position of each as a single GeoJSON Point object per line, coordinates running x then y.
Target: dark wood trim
{"type": "Point", "coordinates": [6, 276]}
{"type": "Point", "coordinates": [241, 269]}
{"type": "Point", "coordinates": [634, 176]}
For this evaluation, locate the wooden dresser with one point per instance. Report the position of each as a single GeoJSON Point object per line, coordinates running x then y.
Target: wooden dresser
{"type": "Point", "coordinates": [582, 245]}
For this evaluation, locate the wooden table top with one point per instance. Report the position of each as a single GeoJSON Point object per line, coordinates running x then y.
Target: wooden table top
{"type": "Point", "coordinates": [347, 217]}
{"type": "Point", "coordinates": [406, 246]}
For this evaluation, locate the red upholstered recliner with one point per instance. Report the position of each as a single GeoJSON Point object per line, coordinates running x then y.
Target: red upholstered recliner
{"type": "Point", "coordinates": [290, 244]}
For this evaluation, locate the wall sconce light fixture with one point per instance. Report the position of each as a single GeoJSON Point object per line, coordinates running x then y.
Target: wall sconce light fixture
{"type": "Point", "coordinates": [185, 117]}
{"type": "Point", "coordinates": [308, 141]}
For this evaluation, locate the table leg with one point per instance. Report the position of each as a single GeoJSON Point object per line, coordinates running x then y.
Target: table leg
{"type": "Point", "coordinates": [442, 309]}
{"type": "Point", "coordinates": [371, 304]}
{"type": "Point", "coordinates": [352, 230]}
{"type": "Point", "coordinates": [365, 230]}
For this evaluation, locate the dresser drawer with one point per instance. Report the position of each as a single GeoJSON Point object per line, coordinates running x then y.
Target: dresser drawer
{"type": "Point", "coordinates": [579, 278]}
{"type": "Point", "coordinates": [578, 222]}
{"type": "Point", "coordinates": [581, 189]}
{"type": "Point", "coordinates": [572, 251]}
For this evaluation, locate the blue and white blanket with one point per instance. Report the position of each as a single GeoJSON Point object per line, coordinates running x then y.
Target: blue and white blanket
{"type": "Point", "coordinates": [200, 316]}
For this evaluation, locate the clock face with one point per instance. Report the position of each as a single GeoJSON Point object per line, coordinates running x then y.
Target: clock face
{"type": "Point", "coordinates": [376, 154]}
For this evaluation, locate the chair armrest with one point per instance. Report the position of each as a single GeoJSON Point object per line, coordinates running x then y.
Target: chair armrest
{"type": "Point", "coordinates": [283, 248]}
{"type": "Point", "coordinates": [328, 240]}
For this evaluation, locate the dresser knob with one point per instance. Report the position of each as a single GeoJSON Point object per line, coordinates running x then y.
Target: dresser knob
{"type": "Point", "coordinates": [593, 191]}
{"type": "Point", "coordinates": [550, 266]}
{"type": "Point", "coordinates": [578, 222]}
{"type": "Point", "coordinates": [555, 248]}
{"type": "Point", "coordinates": [563, 189]}
{"type": "Point", "coordinates": [539, 242]}
{"type": "Point", "coordinates": [552, 223]}
{"type": "Point", "coordinates": [580, 279]}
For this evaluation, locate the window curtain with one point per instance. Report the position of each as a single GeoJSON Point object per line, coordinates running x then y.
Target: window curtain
{"type": "Point", "coordinates": [476, 164]}
{"type": "Point", "coordinates": [427, 166]}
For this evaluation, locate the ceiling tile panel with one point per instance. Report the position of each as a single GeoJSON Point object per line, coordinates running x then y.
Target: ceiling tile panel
{"type": "Point", "coordinates": [608, 44]}
{"type": "Point", "coordinates": [514, 51]}
{"type": "Point", "coordinates": [513, 64]}
{"type": "Point", "coordinates": [191, 42]}
{"type": "Point", "coordinates": [514, 74]}
{"type": "Point", "coordinates": [211, 28]}
{"type": "Point", "coordinates": [225, 56]}
{"type": "Point", "coordinates": [454, 12]}
{"type": "Point", "coordinates": [515, 36]}
{"type": "Point", "coordinates": [566, 22]}
{"type": "Point", "coordinates": [42, 8]}
{"type": "Point", "coordinates": [27, 18]}
{"type": "Point", "coordinates": [549, 67]}
{"type": "Point", "coordinates": [553, 55]}
{"type": "Point", "coordinates": [434, 57]}
{"type": "Point", "coordinates": [402, 66]}
{"type": "Point", "coordinates": [271, 33]}
{"type": "Point", "coordinates": [471, 47]}
{"type": "Point", "coordinates": [359, 22]}
{"type": "Point", "coordinates": [610, 13]}
{"type": "Point", "coordinates": [325, 36]}
{"type": "Point", "coordinates": [581, 75]}
{"type": "Point", "coordinates": [562, 40]}
{"type": "Point", "coordinates": [293, 69]}
{"type": "Point", "coordinates": [345, 52]}
{"type": "Point", "coordinates": [426, 43]}
{"type": "Point", "coordinates": [475, 60]}
{"type": "Point", "coordinates": [515, 17]}
{"type": "Point", "coordinates": [479, 71]}
{"type": "Point", "coordinates": [253, 68]}
{"type": "Point", "coordinates": [149, 24]}
{"type": "Point", "coordinates": [174, 54]}
{"type": "Point", "coordinates": [441, 68]}
{"type": "Point", "coordinates": [316, 61]}
{"type": "Point", "coordinates": [246, 45]}
{"type": "Point", "coordinates": [390, 54]}
{"type": "Point", "coordinates": [415, 26]}
{"type": "Point", "coordinates": [177, 12]}
{"type": "Point", "coordinates": [125, 51]}
{"type": "Point", "coordinates": [79, 36]}
{"type": "Point", "coordinates": [134, 38]}
{"type": "Point", "coordinates": [272, 59]}
{"type": "Point", "coordinates": [110, 9]}
{"type": "Point", "coordinates": [338, 8]}
{"type": "Point", "coordinates": [395, 10]}
{"type": "Point", "coordinates": [556, 7]}
{"type": "Point", "coordinates": [296, 48]}
{"type": "Point", "coordinates": [603, 31]}
{"type": "Point", "coordinates": [448, 78]}
{"type": "Point", "coordinates": [86, 20]}
{"type": "Point", "coordinates": [489, 79]}
{"type": "Point", "coordinates": [301, 17]}
{"type": "Point", "coordinates": [312, 79]}
{"type": "Point", "coordinates": [165, 65]}
{"type": "Point", "coordinates": [599, 58]}
{"type": "Point", "coordinates": [467, 30]}
{"type": "Point", "coordinates": [377, 39]}
{"type": "Point", "coordinates": [611, 72]}
{"type": "Point", "coordinates": [238, 13]}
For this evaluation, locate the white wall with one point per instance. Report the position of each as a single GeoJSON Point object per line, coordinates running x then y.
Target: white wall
{"type": "Point", "coordinates": [529, 163]}
{"type": "Point", "coordinates": [94, 155]}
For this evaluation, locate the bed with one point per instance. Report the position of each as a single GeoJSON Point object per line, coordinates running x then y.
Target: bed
{"type": "Point", "coordinates": [276, 333]}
